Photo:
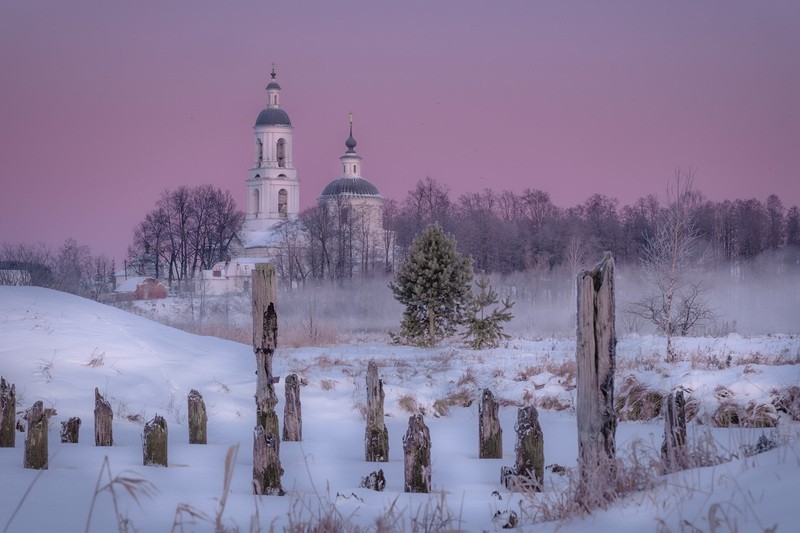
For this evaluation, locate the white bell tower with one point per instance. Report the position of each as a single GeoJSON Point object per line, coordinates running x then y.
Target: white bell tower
{"type": "Point", "coordinates": [273, 190]}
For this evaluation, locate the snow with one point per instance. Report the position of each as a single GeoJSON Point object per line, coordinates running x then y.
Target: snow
{"type": "Point", "coordinates": [57, 348]}
{"type": "Point", "coordinates": [130, 284]}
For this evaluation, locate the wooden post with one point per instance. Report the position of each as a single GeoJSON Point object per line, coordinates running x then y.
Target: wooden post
{"type": "Point", "coordinates": [265, 340]}
{"type": "Point", "coordinates": [8, 414]}
{"type": "Point", "coordinates": [417, 456]}
{"type": "Point", "coordinates": [70, 430]}
{"type": "Point", "coordinates": [596, 352]}
{"type": "Point", "coordinates": [292, 414]}
{"type": "Point", "coordinates": [267, 469]}
{"type": "Point", "coordinates": [36, 439]}
{"type": "Point", "coordinates": [198, 418]}
{"type": "Point", "coordinates": [528, 471]}
{"type": "Point", "coordinates": [490, 434]}
{"type": "Point", "coordinates": [103, 418]}
{"type": "Point", "coordinates": [154, 442]}
{"type": "Point", "coordinates": [674, 452]}
{"type": "Point", "coordinates": [376, 438]}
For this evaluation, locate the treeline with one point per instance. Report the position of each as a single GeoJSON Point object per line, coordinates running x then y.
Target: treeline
{"type": "Point", "coordinates": [70, 268]}
{"type": "Point", "coordinates": [189, 230]}
{"type": "Point", "coordinates": [507, 232]}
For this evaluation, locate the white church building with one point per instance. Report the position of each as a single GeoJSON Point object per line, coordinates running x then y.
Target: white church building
{"type": "Point", "coordinates": [273, 193]}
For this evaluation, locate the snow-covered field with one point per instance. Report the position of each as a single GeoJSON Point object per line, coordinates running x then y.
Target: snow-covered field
{"type": "Point", "coordinates": [57, 348]}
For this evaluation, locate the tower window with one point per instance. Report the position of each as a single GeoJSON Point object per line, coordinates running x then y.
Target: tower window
{"type": "Point", "coordinates": [354, 169]}
{"type": "Point", "coordinates": [281, 152]}
{"type": "Point", "coordinates": [283, 203]}
{"type": "Point", "coordinates": [259, 151]}
{"type": "Point", "coordinates": [256, 202]}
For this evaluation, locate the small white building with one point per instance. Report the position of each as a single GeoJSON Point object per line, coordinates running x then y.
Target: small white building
{"type": "Point", "coordinates": [228, 277]}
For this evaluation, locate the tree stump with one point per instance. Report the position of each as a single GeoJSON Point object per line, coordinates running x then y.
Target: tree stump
{"type": "Point", "coordinates": [198, 418]}
{"type": "Point", "coordinates": [8, 414]}
{"type": "Point", "coordinates": [674, 452]}
{"type": "Point", "coordinates": [265, 340]}
{"type": "Point", "coordinates": [267, 469]}
{"type": "Point", "coordinates": [376, 438]}
{"type": "Point", "coordinates": [154, 442]}
{"type": "Point", "coordinates": [103, 418]}
{"type": "Point", "coordinates": [70, 429]}
{"type": "Point", "coordinates": [374, 481]}
{"type": "Point", "coordinates": [596, 352]}
{"type": "Point", "coordinates": [36, 438]}
{"type": "Point", "coordinates": [292, 414]}
{"type": "Point", "coordinates": [490, 434]}
{"type": "Point", "coordinates": [417, 455]}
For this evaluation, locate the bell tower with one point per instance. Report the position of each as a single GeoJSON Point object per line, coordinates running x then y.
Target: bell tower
{"type": "Point", "coordinates": [273, 190]}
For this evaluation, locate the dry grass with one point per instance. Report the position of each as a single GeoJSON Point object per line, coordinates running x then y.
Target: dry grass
{"type": "Point", "coordinates": [467, 377]}
{"type": "Point", "coordinates": [731, 413]}
{"type": "Point", "coordinates": [634, 401]}
{"type": "Point", "coordinates": [408, 404]}
{"type": "Point", "coordinates": [328, 384]}
{"type": "Point", "coordinates": [96, 359]}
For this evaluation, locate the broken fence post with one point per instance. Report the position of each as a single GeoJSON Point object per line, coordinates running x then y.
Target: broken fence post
{"type": "Point", "coordinates": [198, 418]}
{"type": "Point", "coordinates": [674, 452]}
{"type": "Point", "coordinates": [154, 442]}
{"type": "Point", "coordinates": [36, 438]}
{"type": "Point", "coordinates": [417, 456]}
{"type": "Point", "coordinates": [292, 414]}
{"type": "Point", "coordinates": [8, 414]}
{"type": "Point", "coordinates": [528, 471]}
{"type": "Point", "coordinates": [376, 438]}
{"type": "Point", "coordinates": [103, 418]}
{"type": "Point", "coordinates": [267, 470]}
{"type": "Point", "coordinates": [490, 434]}
{"type": "Point", "coordinates": [596, 353]}
{"type": "Point", "coordinates": [70, 430]}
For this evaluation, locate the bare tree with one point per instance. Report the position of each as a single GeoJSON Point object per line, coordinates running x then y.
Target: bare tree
{"type": "Point", "coordinates": [675, 300]}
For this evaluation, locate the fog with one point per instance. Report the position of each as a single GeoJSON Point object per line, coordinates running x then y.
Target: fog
{"type": "Point", "coordinates": [752, 298]}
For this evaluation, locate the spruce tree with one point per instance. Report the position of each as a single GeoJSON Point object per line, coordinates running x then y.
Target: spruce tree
{"type": "Point", "coordinates": [485, 329]}
{"type": "Point", "coordinates": [434, 285]}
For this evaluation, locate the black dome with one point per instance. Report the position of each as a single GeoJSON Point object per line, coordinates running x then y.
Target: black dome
{"type": "Point", "coordinates": [273, 116]}
{"type": "Point", "coordinates": [350, 187]}
{"type": "Point", "coordinates": [273, 85]}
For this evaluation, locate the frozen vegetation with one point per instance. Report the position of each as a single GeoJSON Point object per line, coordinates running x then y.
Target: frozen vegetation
{"type": "Point", "coordinates": [58, 348]}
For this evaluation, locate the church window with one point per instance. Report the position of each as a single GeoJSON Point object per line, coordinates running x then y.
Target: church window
{"type": "Point", "coordinates": [354, 169]}
{"type": "Point", "coordinates": [256, 202]}
{"type": "Point", "coordinates": [281, 153]}
{"type": "Point", "coordinates": [283, 203]}
{"type": "Point", "coordinates": [259, 151]}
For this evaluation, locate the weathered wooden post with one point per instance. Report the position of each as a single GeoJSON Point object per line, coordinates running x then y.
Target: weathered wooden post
{"type": "Point", "coordinates": [417, 456]}
{"type": "Point", "coordinates": [103, 418]}
{"type": "Point", "coordinates": [154, 442]}
{"type": "Point", "coordinates": [376, 439]}
{"type": "Point", "coordinates": [198, 418]}
{"type": "Point", "coordinates": [292, 414]}
{"type": "Point", "coordinates": [490, 434]}
{"type": "Point", "coordinates": [674, 452]}
{"type": "Point", "coordinates": [267, 469]}
{"type": "Point", "coordinates": [36, 439]}
{"type": "Point", "coordinates": [8, 414]}
{"type": "Point", "coordinates": [70, 430]}
{"type": "Point", "coordinates": [596, 352]}
{"type": "Point", "coordinates": [528, 471]}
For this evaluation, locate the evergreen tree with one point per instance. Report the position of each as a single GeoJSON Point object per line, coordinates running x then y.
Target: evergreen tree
{"type": "Point", "coordinates": [434, 285]}
{"type": "Point", "coordinates": [485, 329]}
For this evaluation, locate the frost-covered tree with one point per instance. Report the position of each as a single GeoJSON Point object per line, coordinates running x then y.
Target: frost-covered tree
{"type": "Point", "coordinates": [434, 286]}
{"type": "Point", "coordinates": [485, 327]}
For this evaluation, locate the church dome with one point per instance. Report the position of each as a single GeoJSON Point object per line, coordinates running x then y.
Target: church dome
{"type": "Point", "coordinates": [273, 116]}
{"type": "Point", "coordinates": [350, 187]}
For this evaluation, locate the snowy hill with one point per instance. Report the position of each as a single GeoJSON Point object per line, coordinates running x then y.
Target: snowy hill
{"type": "Point", "coordinates": [57, 348]}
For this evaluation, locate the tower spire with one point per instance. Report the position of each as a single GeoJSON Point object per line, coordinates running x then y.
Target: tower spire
{"type": "Point", "coordinates": [350, 142]}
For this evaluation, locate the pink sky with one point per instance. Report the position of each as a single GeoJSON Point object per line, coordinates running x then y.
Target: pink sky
{"type": "Point", "coordinates": [105, 104]}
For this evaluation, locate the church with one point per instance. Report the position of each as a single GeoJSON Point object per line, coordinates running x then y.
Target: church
{"type": "Point", "coordinates": [273, 196]}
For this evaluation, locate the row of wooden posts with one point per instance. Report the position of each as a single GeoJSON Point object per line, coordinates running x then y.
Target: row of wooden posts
{"type": "Point", "coordinates": [596, 348]}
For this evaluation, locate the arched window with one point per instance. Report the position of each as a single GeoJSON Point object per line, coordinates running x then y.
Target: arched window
{"type": "Point", "coordinates": [259, 151]}
{"type": "Point", "coordinates": [256, 202]}
{"type": "Point", "coordinates": [354, 169]}
{"type": "Point", "coordinates": [281, 152]}
{"type": "Point", "coordinates": [283, 203]}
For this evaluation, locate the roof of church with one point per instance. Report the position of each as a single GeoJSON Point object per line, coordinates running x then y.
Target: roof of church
{"type": "Point", "coordinates": [273, 116]}
{"type": "Point", "coordinates": [351, 187]}
{"type": "Point", "coordinates": [273, 85]}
